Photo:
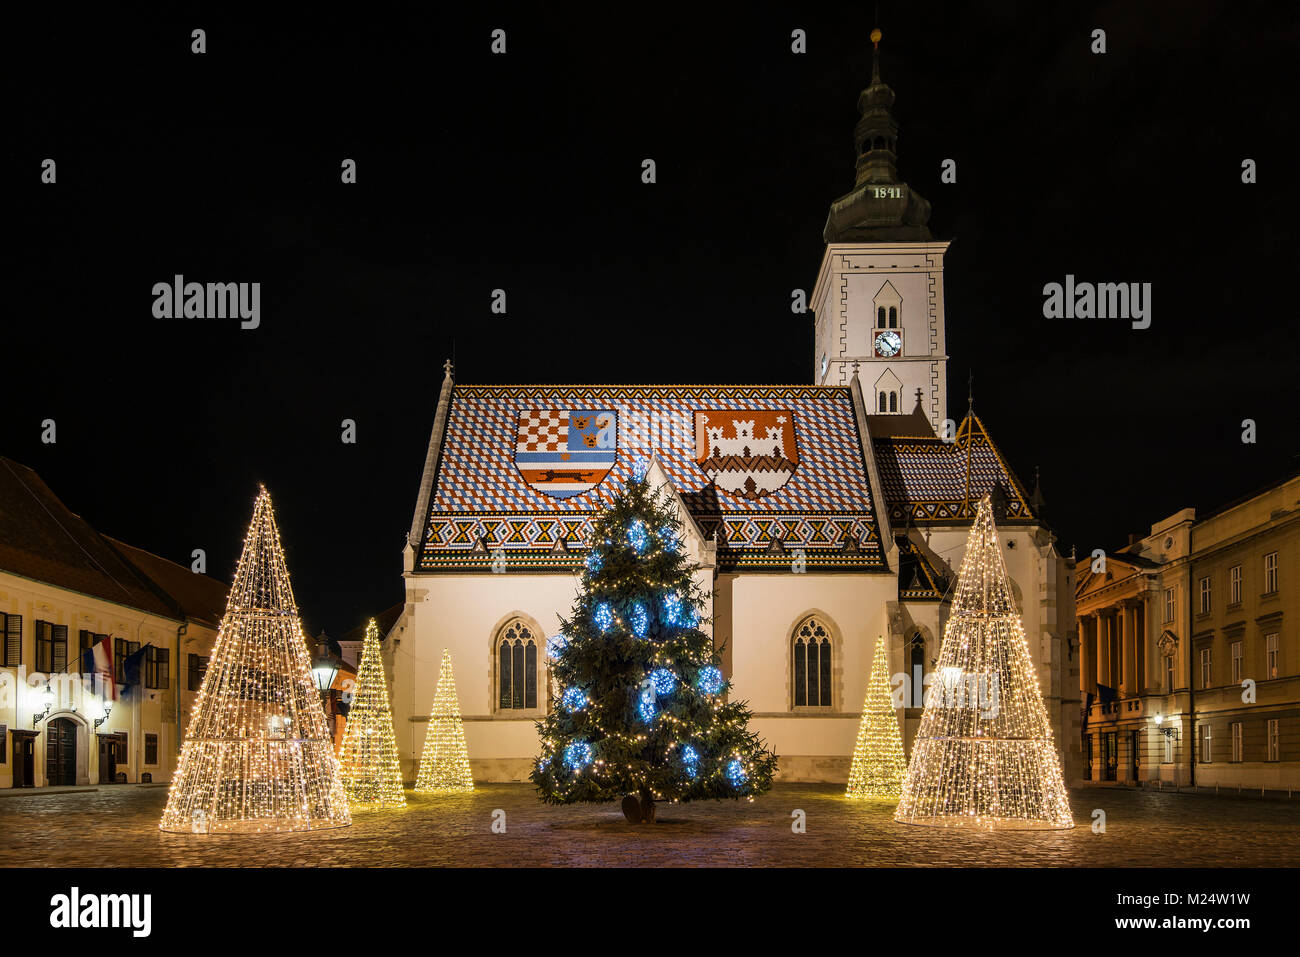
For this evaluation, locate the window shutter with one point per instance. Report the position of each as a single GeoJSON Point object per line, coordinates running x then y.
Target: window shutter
{"type": "Point", "coordinates": [13, 640]}
{"type": "Point", "coordinates": [60, 663]}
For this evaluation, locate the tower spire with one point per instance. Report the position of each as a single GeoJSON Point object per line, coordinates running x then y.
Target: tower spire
{"type": "Point", "coordinates": [881, 206]}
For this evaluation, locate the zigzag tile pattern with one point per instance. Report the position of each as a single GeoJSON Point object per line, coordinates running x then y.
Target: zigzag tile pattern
{"type": "Point", "coordinates": [482, 511]}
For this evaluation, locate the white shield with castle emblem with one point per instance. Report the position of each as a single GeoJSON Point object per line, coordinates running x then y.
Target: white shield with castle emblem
{"type": "Point", "coordinates": [751, 453]}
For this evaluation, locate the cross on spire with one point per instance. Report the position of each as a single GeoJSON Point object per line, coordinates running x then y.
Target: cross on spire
{"type": "Point", "coordinates": [447, 367]}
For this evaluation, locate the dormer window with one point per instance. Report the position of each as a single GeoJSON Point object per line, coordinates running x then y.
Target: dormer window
{"type": "Point", "coordinates": [888, 388]}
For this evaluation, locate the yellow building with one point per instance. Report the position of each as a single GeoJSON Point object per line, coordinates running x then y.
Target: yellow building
{"type": "Point", "coordinates": [1189, 652]}
{"type": "Point", "coordinates": [65, 589]}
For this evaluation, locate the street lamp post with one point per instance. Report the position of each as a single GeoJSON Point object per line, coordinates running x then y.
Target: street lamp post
{"type": "Point", "coordinates": [325, 668]}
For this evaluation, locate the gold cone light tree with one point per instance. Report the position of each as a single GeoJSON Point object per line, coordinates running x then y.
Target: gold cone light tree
{"type": "Point", "coordinates": [983, 756]}
{"type": "Point", "coordinates": [878, 763]}
{"type": "Point", "coordinates": [258, 755]}
{"type": "Point", "coordinates": [444, 763]}
{"type": "Point", "coordinates": [372, 774]}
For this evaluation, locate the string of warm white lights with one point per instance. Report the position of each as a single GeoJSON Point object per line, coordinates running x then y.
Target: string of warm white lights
{"type": "Point", "coordinates": [258, 755]}
{"type": "Point", "coordinates": [983, 755]}
{"type": "Point", "coordinates": [444, 763]}
{"type": "Point", "coordinates": [372, 773]}
{"type": "Point", "coordinates": [878, 763]}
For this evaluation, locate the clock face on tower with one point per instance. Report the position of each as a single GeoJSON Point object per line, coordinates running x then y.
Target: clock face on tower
{"type": "Point", "coordinates": [888, 343]}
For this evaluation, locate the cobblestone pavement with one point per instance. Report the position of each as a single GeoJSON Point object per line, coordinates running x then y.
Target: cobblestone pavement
{"type": "Point", "coordinates": [119, 827]}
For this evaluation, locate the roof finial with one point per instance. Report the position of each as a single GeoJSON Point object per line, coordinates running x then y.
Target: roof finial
{"type": "Point", "coordinates": [447, 367]}
{"type": "Point", "coordinates": [875, 54]}
{"type": "Point", "coordinates": [970, 392]}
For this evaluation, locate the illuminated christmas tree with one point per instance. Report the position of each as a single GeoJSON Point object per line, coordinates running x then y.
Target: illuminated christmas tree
{"type": "Point", "coordinates": [640, 711]}
{"type": "Point", "coordinates": [878, 763]}
{"type": "Point", "coordinates": [258, 755]}
{"type": "Point", "coordinates": [372, 774]}
{"type": "Point", "coordinates": [444, 764]}
{"type": "Point", "coordinates": [983, 756]}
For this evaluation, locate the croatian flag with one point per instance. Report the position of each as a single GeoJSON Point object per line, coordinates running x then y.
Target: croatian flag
{"type": "Point", "coordinates": [98, 660]}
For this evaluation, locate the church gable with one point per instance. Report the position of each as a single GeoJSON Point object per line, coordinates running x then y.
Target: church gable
{"type": "Point", "coordinates": [765, 469]}
{"type": "Point", "coordinates": [929, 481]}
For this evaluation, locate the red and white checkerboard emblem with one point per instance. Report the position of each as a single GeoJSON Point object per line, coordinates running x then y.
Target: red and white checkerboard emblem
{"type": "Point", "coordinates": [566, 453]}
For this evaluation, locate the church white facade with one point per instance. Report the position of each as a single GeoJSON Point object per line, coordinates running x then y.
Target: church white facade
{"type": "Point", "coordinates": [824, 517]}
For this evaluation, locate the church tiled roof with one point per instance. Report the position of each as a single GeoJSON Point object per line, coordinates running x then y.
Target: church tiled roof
{"type": "Point", "coordinates": [522, 466]}
{"type": "Point", "coordinates": [931, 481]}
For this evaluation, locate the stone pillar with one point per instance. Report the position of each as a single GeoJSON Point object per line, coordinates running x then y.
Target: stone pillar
{"type": "Point", "coordinates": [1087, 653]}
{"type": "Point", "coordinates": [1103, 648]}
{"type": "Point", "coordinates": [1122, 638]}
{"type": "Point", "coordinates": [1143, 637]}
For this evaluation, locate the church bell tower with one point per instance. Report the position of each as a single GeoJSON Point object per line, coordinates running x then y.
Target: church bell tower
{"type": "Point", "coordinates": [879, 294]}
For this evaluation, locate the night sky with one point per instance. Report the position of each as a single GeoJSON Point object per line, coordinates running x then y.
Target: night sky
{"type": "Point", "coordinates": [523, 172]}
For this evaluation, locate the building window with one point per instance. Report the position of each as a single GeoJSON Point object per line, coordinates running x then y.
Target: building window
{"type": "Point", "coordinates": [1206, 673]}
{"type": "Point", "coordinates": [1205, 595]}
{"type": "Point", "coordinates": [916, 671]}
{"type": "Point", "coordinates": [1237, 741]}
{"type": "Point", "coordinates": [121, 651]}
{"type": "Point", "coordinates": [880, 317]}
{"type": "Point", "coordinates": [12, 652]}
{"type": "Point", "coordinates": [1238, 664]}
{"type": "Point", "coordinates": [198, 668]}
{"type": "Point", "coordinates": [517, 667]}
{"type": "Point", "coordinates": [812, 665]}
{"type": "Point", "coordinates": [157, 667]}
{"type": "Point", "coordinates": [1270, 573]}
{"type": "Point", "coordinates": [51, 647]}
{"type": "Point", "coordinates": [893, 317]}
{"type": "Point", "coordinates": [1169, 748]}
{"type": "Point", "coordinates": [1234, 585]}
{"type": "Point", "coordinates": [1205, 744]}
{"type": "Point", "coordinates": [1270, 656]}
{"type": "Point", "coordinates": [1274, 739]}
{"type": "Point", "coordinates": [150, 748]}
{"type": "Point", "coordinates": [1169, 605]}
{"type": "Point", "coordinates": [1169, 673]}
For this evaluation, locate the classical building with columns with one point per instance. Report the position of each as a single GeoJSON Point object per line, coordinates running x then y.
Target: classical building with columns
{"type": "Point", "coordinates": [1188, 658]}
{"type": "Point", "coordinates": [824, 517]}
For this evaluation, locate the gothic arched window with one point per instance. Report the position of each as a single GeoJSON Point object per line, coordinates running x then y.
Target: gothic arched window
{"type": "Point", "coordinates": [880, 317]}
{"type": "Point", "coordinates": [883, 402]}
{"type": "Point", "coordinates": [811, 667]}
{"type": "Point", "coordinates": [893, 402]}
{"type": "Point", "coordinates": [893, 317]}
{"type": "Point", "coordinates": [516, 667]}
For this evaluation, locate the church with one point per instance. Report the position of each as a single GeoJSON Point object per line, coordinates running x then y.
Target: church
{"type": "Point", "coordinates": [824, 517]}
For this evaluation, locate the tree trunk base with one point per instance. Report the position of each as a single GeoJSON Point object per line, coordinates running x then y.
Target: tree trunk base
{"type": "Point", "coordinates": [632, 809]}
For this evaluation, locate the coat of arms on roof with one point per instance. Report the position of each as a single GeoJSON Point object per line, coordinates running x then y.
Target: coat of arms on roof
{"type": "Point", "coordinates": [751, 453]}
{"type": "Point", "coordinates": [566, 453]}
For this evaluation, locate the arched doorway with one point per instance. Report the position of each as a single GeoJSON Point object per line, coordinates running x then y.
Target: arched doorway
{"type": "Point", "coordinates": [61, 752]}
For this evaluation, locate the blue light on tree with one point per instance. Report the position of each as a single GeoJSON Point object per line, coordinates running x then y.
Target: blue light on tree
{"type": "Point", "coordinates": [640, 620]}
{"type": "Point", "coordinates": [736, 772]}
{"type": "Point", "coordinates": [670, 540]}
{"type": "Point", "coordinates": [577, 754]}
{"type": "Point", "coordinates": [638, 537]}
{"type": "Point", "coordinates": [647, 707]}
{"type": "Point", "coordinates": [574, 698]}
{"type": "Point", "coordinates": [709, 680]}
{"type": "Point", "coordinates": [664, 681]}
{"type": "Point", "coordinates": [594, 561]}
{"type": "Point", "coordinates": [673, 608]}
{"type": "Point", "coordinates": [691, 760]}
{"type": "Point", "coordinates": [555, 646]}
{"type": "Point", "coordinates": [603, 616]}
